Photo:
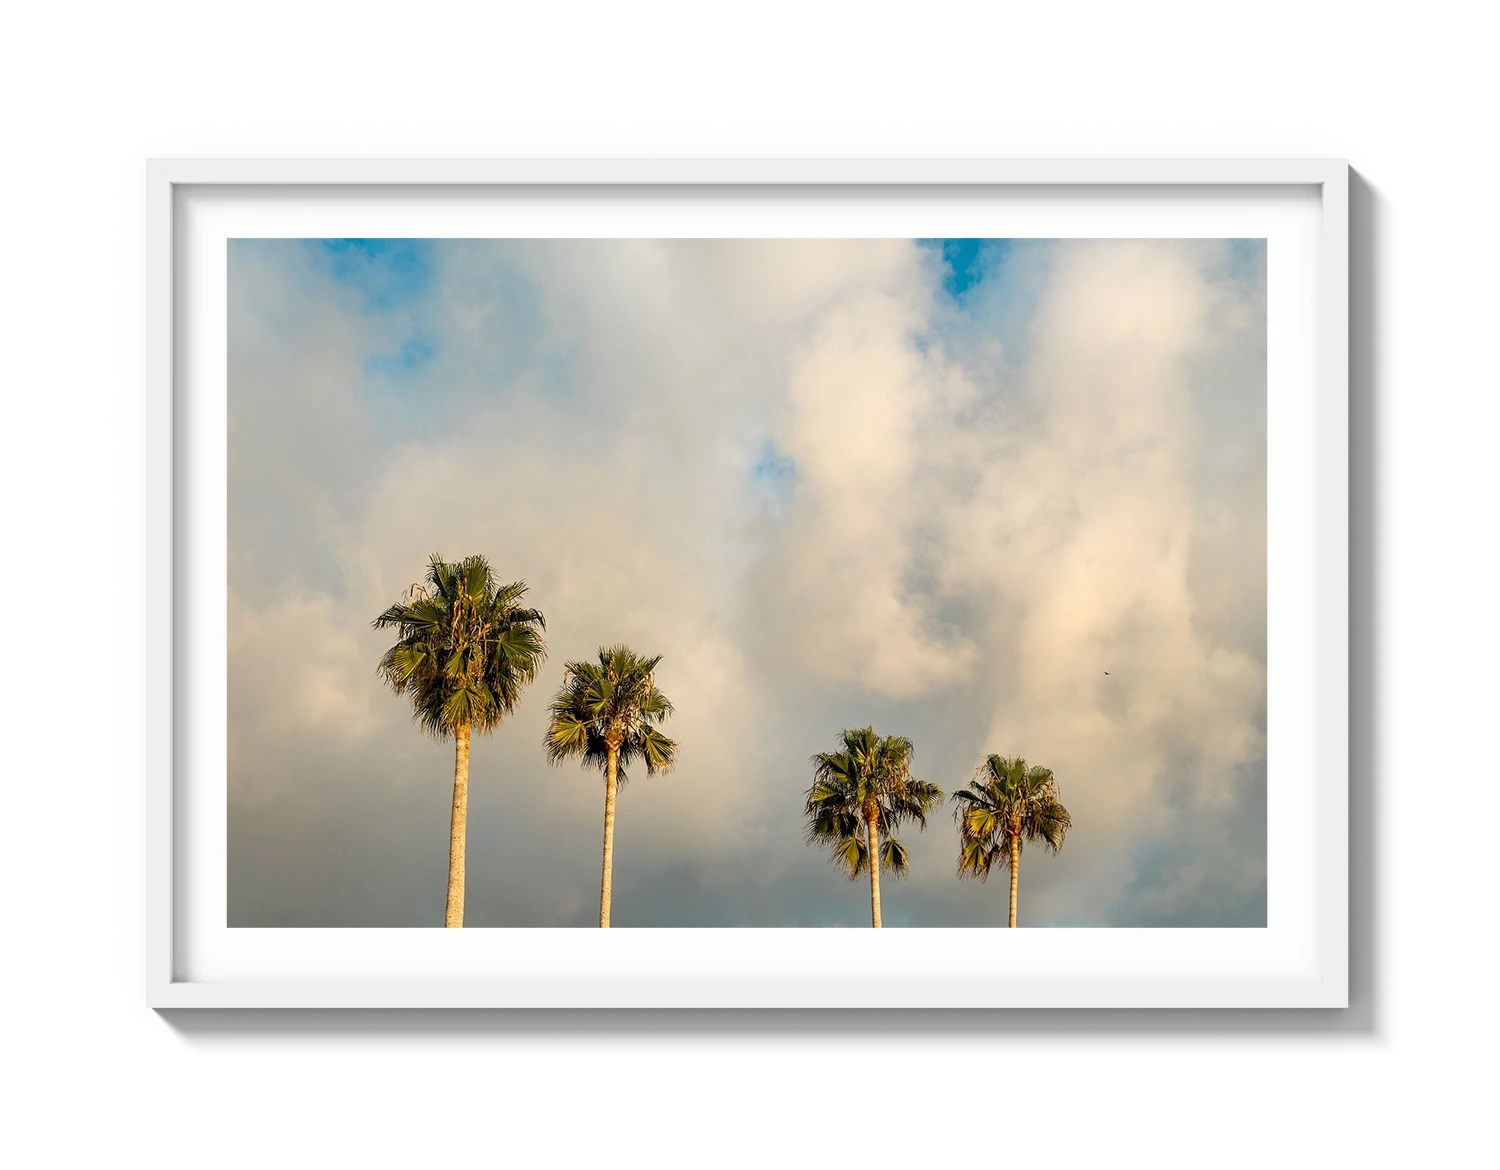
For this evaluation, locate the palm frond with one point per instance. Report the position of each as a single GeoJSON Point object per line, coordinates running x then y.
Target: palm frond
{"type": "Point", "coordinates": [394, 616]}
{"type": "Point", "coordinates": [508, 597]}
{"type": "Point", "coordinates": [655, 706]}
{"type": "Point", "coordinates": [981, 822]}
{"type": "Point", "coordinates": [974, 858]}
{"type": "Point", "coordinates": [893, 857]}
{"type": "Point", "coordinates": [1049, 823]}
{"type": "Point", "coordinates": [476, 579]}
{"type": "Point", "coordinates": [659, 752]}
{"type": "Point", "coordinates": [567, 735]}
{"type": "Point", "coordinates": [852, 855]}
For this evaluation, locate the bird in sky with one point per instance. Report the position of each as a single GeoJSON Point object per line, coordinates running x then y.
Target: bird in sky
{"type": "Point", "coordinates": [1106, 672]}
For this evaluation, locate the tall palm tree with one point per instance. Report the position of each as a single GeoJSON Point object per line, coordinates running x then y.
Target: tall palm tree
{"type": "Point", "coordinates": [606, 714]}
{"type": "Point", "coordinates": [860, 795]}
{"type": "Point", "coordinates": [465, 650]}
{"type": "Point", "coordinates": [1007, 802]}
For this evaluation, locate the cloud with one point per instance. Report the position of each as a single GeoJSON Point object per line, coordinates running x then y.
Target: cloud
{"type": "Point", "coordinates": [828, 491]}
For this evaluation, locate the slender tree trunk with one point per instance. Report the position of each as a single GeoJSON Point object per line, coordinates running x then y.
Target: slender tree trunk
{"type": "Point", "coordinates": [870, 836]}
{"type": "Point", "coordinates": [458, 827]}
{"type": "Point", "coordinates": [1015, 872]}
{"type": "Point", "coordinates": [609, 835]}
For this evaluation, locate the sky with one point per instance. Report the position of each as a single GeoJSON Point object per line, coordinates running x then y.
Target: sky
{"type": "Point", "coordinates": [937, 487]}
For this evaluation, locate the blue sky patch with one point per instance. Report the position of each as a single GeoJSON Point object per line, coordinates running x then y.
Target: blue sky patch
{"type": "Point", "coordinates": [389, 273]}
{"type": "Point", "coordinates": [1247, 260]}
{"type": "Point", "coordinates": [774, 471]}
{"type": "Point", "coordinates": [415, 352]}
{"type": "Point", "coordinates": [968, 261]}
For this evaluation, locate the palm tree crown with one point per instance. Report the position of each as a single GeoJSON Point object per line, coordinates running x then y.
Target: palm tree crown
{"type": "Point", "coordinates": [1006, 804]}
{"type": "Point", "coordinates": [860, 795]}
{"type": "Point", "coordinates": [613, 703]}
{"type": "Point", "coordinates": [466, 648]}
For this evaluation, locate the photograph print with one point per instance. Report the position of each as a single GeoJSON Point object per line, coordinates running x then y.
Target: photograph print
{"type": "Point", "coordinates": [747, 583]}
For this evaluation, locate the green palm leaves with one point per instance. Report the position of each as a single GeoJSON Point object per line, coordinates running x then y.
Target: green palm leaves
{"type": "Point", "coordinates": [1006, 803]}
{"type": "Point", "coordinates": [466, 647]}
{"type": "Point", "coordinates": [606, 715]}
{"type": "Point", "coordinates": [860, 795]}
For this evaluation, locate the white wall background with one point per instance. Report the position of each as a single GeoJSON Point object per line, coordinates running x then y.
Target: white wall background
{"type": "Point", "coordinates": [87, 92]}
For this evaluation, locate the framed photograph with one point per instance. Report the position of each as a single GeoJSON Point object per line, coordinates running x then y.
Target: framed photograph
{"type": "Point", "coordinates": [749, 584]}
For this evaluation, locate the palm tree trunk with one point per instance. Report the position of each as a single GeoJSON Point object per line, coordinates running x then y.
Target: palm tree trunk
{"type": "Point", "coordinates": [458, 828]}
{"type": "Point", "coordinates": [609, 835]}
{"type": "Point", "coordinates": [874, 871]}
{"type": "Point", "coordinates": [1015, 872]}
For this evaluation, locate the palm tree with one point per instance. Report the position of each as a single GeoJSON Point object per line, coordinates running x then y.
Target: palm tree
{"type": "Point", "coordinates": [1006, 803]}
{"type": "Point", "coordinates": [859, 797]}
{"type": "Point", "coordinates": [606, 715]}
{"type": "Point", "coordinates": [466, 648]}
